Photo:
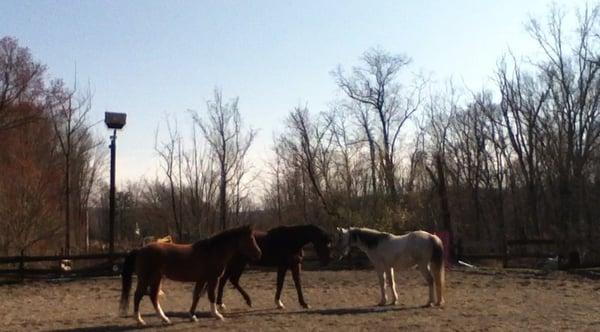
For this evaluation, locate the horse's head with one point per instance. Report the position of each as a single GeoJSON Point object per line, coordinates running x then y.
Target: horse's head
{"type": "Point", "coordinates": [247, 244]}
{"type": "Point", "coordinates": [342, 241]}
{"type": "Point", "coordinates": [322, 245]}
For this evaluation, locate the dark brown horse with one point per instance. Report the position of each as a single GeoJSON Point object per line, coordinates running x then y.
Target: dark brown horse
{"type": "Point", "coordinates": [202, 262]}
{"type": "Point", "coordinates": [281, 248]}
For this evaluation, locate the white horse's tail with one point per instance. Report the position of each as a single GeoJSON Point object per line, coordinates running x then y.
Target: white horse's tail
{"type": "Point", "coordinates": [437, 267]}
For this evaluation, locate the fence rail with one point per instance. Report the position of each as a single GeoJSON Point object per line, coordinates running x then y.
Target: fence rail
{"type": "Point", "coordinates": [21, 272]}
{"type": "Point", "coordinates": [514, 250]}
{"type": "Point", "coordinates": [35, 259]}
{"type": "Point", "coordinates": [112, 262]}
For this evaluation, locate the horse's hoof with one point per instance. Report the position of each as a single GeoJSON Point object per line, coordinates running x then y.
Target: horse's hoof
{"type": "Point", "coordinates": [166, 322]}
{"type": "Point", "coordinates": [249, 303]}
{"type": "Point", "coordinates": [394, 303]}
{"type": "Point", "coordinates": [428, 305]}
{"type": "Point", "coordinates": [280, 305]}
{"type": "Point", "coordinates": [141, 322]}
{"type": "Point", "coordinates": [305, 305]}
{"type": "Point", "coordinates": [193, 318]}
{"type": "Point", "coordinates": [222, 307]}
{"type": "Point", "coordinates": [381, 304]}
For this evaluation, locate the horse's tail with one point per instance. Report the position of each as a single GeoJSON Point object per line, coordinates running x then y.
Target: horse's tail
{"type": "Point", "coordinates": [126, 273]}
{"type": "Point", "coordinates": [437, 267]}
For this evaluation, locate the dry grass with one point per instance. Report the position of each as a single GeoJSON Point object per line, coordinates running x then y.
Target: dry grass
{"type": "Point", "coordinates": [340, 300]}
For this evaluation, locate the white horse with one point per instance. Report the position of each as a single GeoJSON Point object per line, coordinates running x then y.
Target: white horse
{"type": "Point", "coordinates": [388, 252]}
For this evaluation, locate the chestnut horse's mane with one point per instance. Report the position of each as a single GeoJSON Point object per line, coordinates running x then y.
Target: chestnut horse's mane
{"type": "Point", "coordinates": [224, 236]}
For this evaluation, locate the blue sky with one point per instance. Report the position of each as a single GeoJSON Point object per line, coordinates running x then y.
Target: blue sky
{"type": "Point", "coordinates": [149, 58]}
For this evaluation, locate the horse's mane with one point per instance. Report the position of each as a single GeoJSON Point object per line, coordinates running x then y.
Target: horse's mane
{"type": "Point", "coordinates": [309, 228]}
{"type": "Point", "coordinates": [224, 236]}
{"type": "Point", "coordinates": [369, 237]}
{"type": "Point", "coordinates": [366, 230]}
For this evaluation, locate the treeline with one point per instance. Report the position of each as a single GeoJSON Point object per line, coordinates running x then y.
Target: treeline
{"type": "Point", "coordinates": [49, 159]}
{"type": "Point", "coordinates": [516, 159]}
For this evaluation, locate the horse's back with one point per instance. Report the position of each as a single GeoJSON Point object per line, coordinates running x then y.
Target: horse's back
{"type": "Point", "coordinates": [279, 245]}
{"type": "Point", "coordinates": [162, 256]}
{"type": "Point", "coordinates": [411, 248]}
{"type": "Point", "coordinates": [422, 244]}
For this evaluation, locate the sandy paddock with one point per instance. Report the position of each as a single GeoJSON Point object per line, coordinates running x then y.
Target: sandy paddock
{"type": "Point", "coordinates": [340, 300]}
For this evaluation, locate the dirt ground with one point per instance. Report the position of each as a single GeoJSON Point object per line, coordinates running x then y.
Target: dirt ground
{"type": "Point", "coordinates": [340, 300]}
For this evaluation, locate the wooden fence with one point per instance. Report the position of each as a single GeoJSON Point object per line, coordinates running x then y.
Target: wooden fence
{"type": "Point", "coordinates": [107, 265]}
{"type": "Point", "coordinates": [526, 249]}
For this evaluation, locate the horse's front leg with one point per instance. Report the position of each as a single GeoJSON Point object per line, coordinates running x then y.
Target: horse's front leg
{"type": "Point", "coordinates": [198, 289]}
{"type": "Point", "coordinates": [392, 283]}
{"type": "Point", "coordinates": [296, 275]}
{"type": "Point", "coordinates": [381, 276]}
{"type": "Point", "coordinates": [212, 285]}
{"type": "Point", "coordinates": [280, 278]}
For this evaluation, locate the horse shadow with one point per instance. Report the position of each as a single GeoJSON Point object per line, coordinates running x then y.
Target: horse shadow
{"type": "Point", "coordinates": [327, 312]}
{"type": "Point", "coordinates": [253, 312]}
{"type": "Point", "coordinates": [184, 316]}
{"type": "Point", "coordinates": [109, 328]}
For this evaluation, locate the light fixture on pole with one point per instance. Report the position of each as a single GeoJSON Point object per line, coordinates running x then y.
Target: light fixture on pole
{"type": "Point", "coordinates": [113, 121]}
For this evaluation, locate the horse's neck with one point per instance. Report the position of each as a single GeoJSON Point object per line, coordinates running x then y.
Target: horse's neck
{"type": "Point", "coordinates": [308, 236]}
{"type": "Point", "coordinates": [230, 249]}
{"type": "Point", "coordinates": [225, 249]}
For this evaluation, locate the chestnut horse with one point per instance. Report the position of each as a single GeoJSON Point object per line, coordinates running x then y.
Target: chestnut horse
{"type": "Point", "coordinates": [281, 248]}
{"type": "Point", "coordinates": [202, 262]}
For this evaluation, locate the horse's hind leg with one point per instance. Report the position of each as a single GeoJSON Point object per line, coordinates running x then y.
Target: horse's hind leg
{"type": "Point", "coordinates": [154, 290]}
{"type": "Point", "coordinates": [426, 272]}
{"type": "Point", "coordinates": [296, 276]}
{"type": "Point", "coordinates": [140, 290]}
{"type": "Point", "coordinates": [438, 274]}
{"type": "Point", "coordinates": [234, 278]}
{"type": "Point", "coordinates": [198, 289]}
{"type": "Point", "coordinates": [392, 283]}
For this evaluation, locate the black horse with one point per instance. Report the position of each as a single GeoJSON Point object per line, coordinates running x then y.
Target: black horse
{"type": "Point", "coordinates": [282, 248]}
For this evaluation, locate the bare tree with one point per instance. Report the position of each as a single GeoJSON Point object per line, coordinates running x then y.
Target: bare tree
{"type": "Point", "coordinates": [69, 117]}
{"type": "Point", "coordinates": [229, 143]}
{"type": "Point", "coordinates": [29, 185]}
{"type": "Point", "coordinates": [375, 85]}
{"type": "Point", "coordinates": [21, 80]}
{"type": "Point", "coordinates": [305, 142]}
{"type": "Point", "coordinates": [170, 155]}
{"type": "Point", "coordinates": [440, 111]}
{"type": "Point", "coordinates": [572, 125]}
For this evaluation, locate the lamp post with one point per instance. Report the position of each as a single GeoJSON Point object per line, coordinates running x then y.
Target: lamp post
{"type": "Point", "coordinates": [113, 121]}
